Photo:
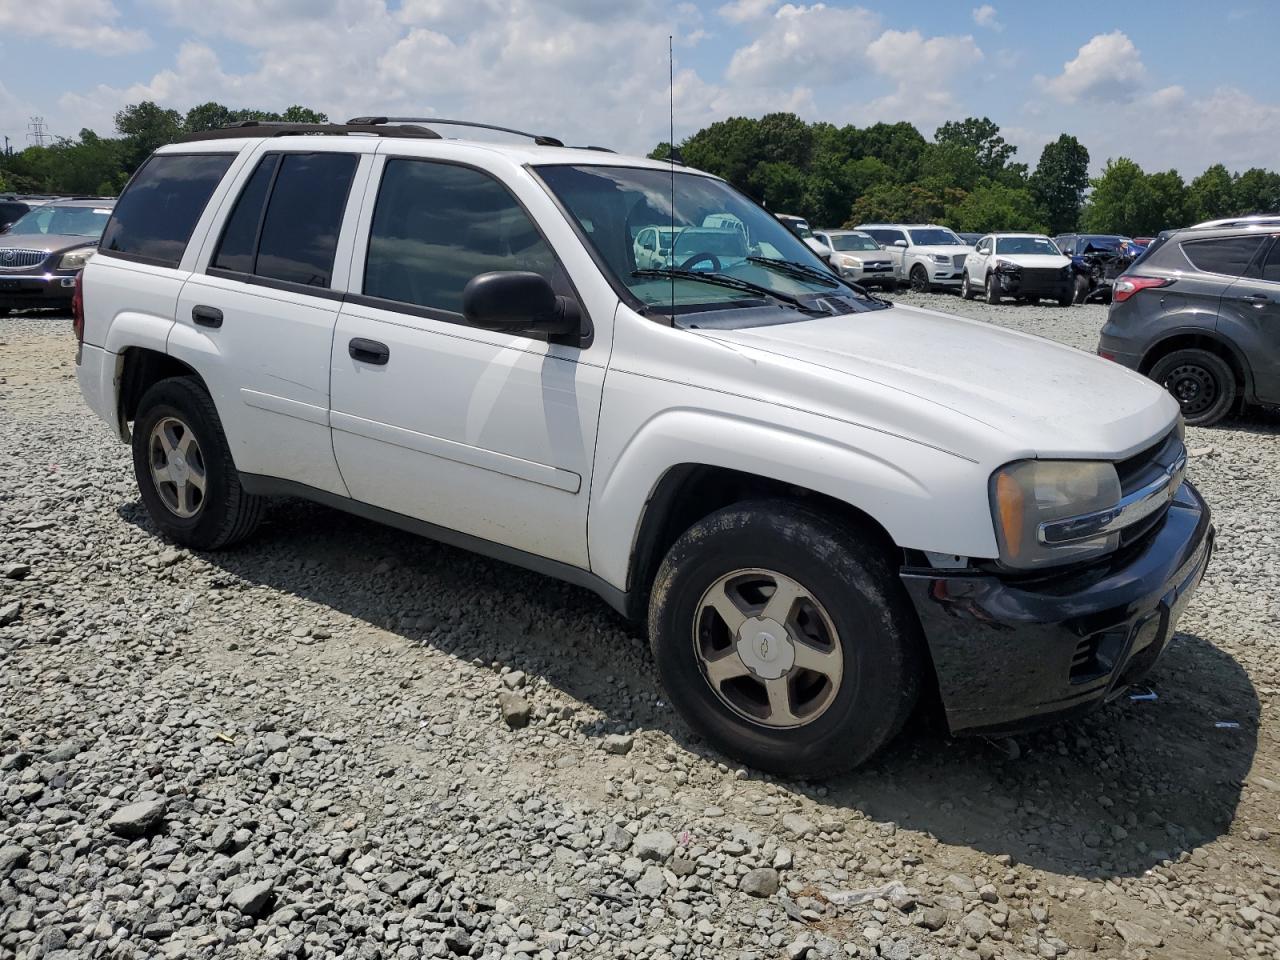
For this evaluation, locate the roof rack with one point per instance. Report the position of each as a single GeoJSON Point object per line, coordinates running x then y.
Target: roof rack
{"type": "Point", "coordinates": [1252, 219]}
{"type": "Point", "coordinates": [540, 139]}
{"type": "Point", "coordinates": [271, 128]}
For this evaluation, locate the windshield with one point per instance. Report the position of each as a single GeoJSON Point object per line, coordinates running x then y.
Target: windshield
{"type": "Point", "coordinates": [52, 219]}
{"type": "Point", "coordinates": [1030, 245]}
{"type": "Point", "coordinates": [626, 215]}
{"type": "Point", "coordinates": [935, 237]}
{"type": "Point", "coordinates": [852, 241]}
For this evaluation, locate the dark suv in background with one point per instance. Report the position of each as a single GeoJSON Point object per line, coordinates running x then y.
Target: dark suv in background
{"type": "Point", "coordinates": [1199, 312]}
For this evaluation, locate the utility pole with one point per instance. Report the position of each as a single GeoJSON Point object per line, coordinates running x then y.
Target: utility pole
{"type": "Point", "coordinates": [38, 132]}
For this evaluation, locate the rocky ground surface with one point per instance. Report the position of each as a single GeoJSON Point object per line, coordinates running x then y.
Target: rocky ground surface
{"type": "Point", "coordinates": [339, 740]}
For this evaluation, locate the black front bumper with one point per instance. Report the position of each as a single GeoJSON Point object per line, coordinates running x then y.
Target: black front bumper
{"type": "Point", "coordinates": [1016, 654]}
{"type": "Point", "coordinates": [42, 290]}
{"type": "Point", "coordinates": [1028, 284]}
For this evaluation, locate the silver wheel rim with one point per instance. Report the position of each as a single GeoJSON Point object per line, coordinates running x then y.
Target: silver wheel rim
{"type": "Point", "coordinates": [177, 467]}
{"type": "Point", "coordinates": [767, 648]}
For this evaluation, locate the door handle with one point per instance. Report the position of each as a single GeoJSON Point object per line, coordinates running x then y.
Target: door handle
{"type": "Point", "coordinates": [1257, 299]}
{"type": "Point", "coordinates": [206, 316]}
{"type": "Point", "coordinates": [369, 351]}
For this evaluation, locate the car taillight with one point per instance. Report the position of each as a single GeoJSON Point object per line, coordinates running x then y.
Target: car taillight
{"type": "Point", "coordinates": [77, 308]}
{"type": "Point", "coordinates": [1126, 287]}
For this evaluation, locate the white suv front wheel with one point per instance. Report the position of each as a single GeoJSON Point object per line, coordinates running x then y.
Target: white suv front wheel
{"type": "Point", "coordinates": [784, 637]}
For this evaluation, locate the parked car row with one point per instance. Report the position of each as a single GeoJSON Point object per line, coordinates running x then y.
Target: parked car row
{"type": "Point", "coordinates": [44, 248]}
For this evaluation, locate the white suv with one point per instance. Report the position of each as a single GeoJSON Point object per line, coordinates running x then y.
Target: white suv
{"type": "Point", "coordinates": [925, 255]}
{"type": "Point", "coordinates": [824, 505]}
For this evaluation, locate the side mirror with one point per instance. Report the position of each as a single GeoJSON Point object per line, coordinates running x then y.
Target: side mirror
{"type": "Point", "coordinates": [900, 243]}
{"type": "Point", "coordinates": [518, 301]}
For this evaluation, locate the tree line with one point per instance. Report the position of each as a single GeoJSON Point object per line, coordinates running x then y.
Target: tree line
{"type": "Point", "coordinates": [966, 178]}
{"type": "Point", "coordinates": [100, 166]}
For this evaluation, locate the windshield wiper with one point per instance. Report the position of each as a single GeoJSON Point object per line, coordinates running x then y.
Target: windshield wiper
{"type": "Point", "coordinates": [795, 269]}
{"type": "Point", "coordinates": [733, 283]}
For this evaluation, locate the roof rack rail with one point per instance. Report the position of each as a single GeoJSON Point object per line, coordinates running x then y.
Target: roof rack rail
{"type": "Point", "coordinates": [540, 139]}
{"type": "Point", "coordinates": [272, 128]}
{"type": "Point", "coordinates": [1249, 219]}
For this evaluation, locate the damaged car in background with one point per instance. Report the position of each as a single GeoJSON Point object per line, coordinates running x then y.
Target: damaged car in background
{"type": "Point", "coordinates": [1026, 266]}
{"type": "Point", "coordinates": [1098, 259]}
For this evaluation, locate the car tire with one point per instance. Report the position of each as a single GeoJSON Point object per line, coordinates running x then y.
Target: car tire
{"type": "Point", "coordinates": [994, 289]}
{"type": "Point", "coordinates": [1081, 288]}
{"type": "Point", "coordinates": [846, 594]}
{"type": "Point", "coordinates": [966, 288]}
{"type": "Point", "coordinates": [1066, 300]}
{"type": "Point", "coordinates": [919, 279]}
{"type": "Point", "coordinates": [1202, 382]}
{"type": "Point", "coordinates": [179, 444]}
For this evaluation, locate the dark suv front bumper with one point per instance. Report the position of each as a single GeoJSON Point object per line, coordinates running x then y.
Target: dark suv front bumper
{"type": "Point", "coordinates": [1012, 654]}
{"type": "Point", "coordinates": [27, 291]}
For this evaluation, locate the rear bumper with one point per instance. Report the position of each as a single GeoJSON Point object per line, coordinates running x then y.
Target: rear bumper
{"type": "Point", "coordinates": [96, 374]}
{"type": "Point", "coordinates": [1011, 655]}
{"type": "Point", "coordinates": [36, 290]}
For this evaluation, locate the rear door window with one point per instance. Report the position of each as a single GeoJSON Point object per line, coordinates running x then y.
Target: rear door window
{"type": "Point", "coordinates": [285, 223]}
{"type": "Point", "coordinates": [1271, 266]}
{"type": "Point", "coordinates": [887, 237]}
{"type": "Point", "coordinates": [1230, 256]}
{"type": "Point", "coordinates": [153, 220]}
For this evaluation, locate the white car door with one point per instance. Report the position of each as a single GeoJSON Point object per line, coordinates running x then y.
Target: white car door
{"type": "Point", "coordinates": [487, 433]}
{"type": "Point", "coordinates": [976, 262]}
{"type": "Point", "coordinates": [257, 316]}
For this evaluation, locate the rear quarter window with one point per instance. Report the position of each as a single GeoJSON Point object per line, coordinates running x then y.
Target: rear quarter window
{"type": "Point", "coordinates": [1230, 256]}
{"type": "Point", "coordinates": [155, 217]}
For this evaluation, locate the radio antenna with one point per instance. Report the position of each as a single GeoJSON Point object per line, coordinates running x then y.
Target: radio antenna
{"type": "Point", "coordinates": [671, 159]}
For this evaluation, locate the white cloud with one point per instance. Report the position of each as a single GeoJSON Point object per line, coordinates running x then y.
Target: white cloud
{"type": "Point", "coordinates": [985, 16]}
{"type": "Point", "coordinates": [926, 72]}
{"type": "Point", "coordinates": [1107, 68]}
{"type": "Point", "coordinates": [804, 44]}
{"type": "Point", "coordinates": [81, 24]}
{"type": "Point", "coordinates": [743, 11]}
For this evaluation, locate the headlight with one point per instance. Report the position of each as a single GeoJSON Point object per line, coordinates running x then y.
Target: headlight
{"type": "Point", "coordinates": [76, 259]}
{"type": "Point", "coordinates": [1007, 265]}
{"type": "Point", "coordinates": [851, 262]}
{"type": "Point", "coordinates": [1029, 494]}
{"type": "Point", "coordinates": [940, 257]}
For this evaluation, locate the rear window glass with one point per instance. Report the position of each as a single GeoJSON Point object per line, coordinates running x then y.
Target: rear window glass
{"type": "Point", "coordinates": [1271, 268]}
{"type": "Point", "coordinates": [155, 217]}
{"type": "Point", "coordinates": [300, 231]}
{"type": "Point", "coordinates": [1227, 255]}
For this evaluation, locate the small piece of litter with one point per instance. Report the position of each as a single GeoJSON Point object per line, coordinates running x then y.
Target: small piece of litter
{"type": "Point", "coordinates": [1227, 725]}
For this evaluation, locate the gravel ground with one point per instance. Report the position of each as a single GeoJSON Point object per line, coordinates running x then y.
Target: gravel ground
{"type": "Point", "coordinates": [340, 740]}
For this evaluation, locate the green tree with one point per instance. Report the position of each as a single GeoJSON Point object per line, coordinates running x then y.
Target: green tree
{"type": "Point", "coordinates": [1164, 206]}
{"type": "Point", "coordinates": [207, 116]}
{"type": "Point", "coordinates": [901, 203]}
{"type": "Point", "coordinates": [780, 187]}
{"type": "Point", "coordinates": [1059, 182]}
{"type": "Point", "coordinates": [1113, 204]}
{"type": "Point", "coordinates": [982, 136]}
{"type": "Point", "coordinates": [1211, 195]}
{"type": "Point", "coordinates": [146, 126]}
{"type": "Point", "coordinates": [297, 114]}
{"type": "Point", "coordinates": [899, 146]}
{"type": "Point", "coordinates": [1257, 191]}
{"type": "Point", "coordinates": [995, 206]}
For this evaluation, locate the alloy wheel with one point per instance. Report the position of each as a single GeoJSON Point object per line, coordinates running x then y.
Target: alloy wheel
{"type": "Point", "coordinates": [177, 467]}
{"type": "Point", "coordinates": [768, 648]}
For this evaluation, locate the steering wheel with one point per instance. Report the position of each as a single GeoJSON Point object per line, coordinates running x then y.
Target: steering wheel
{"type": "Point", "coordinates": [698, 258]}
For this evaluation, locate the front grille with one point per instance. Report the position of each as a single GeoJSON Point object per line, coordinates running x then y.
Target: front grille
{"type": "Point", "coordinates": [16, 259]}
{"type": "Point", "coordinates": [1145, 467]}
{"type": "Point", "coordinates": [1041, 275]}
{"type": "Point", "coordinates": [878, 266]}
{"type": "Point", "coordinates": [958, 260]}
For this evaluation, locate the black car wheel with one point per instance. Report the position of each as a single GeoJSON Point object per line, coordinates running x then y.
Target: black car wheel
{"type": "Point", "coordinates": [919, 279]}
{"type": "Point", "coordinates": [184, 469]}
{"type": "Point", "coordinates": [1202, 383]}
{"type": "Point", "coordinates": [784, 637]}
{"type": "Point", "coordinates": [1082, 288]}
{"type": "Point", "coordinates": [994, 288]}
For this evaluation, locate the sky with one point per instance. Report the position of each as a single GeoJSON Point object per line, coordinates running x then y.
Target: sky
{"type": "Point", "coordinates": [1171, 84]}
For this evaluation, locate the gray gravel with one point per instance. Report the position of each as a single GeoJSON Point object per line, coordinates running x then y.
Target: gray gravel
{"type": "Point", "coordinates": [339, 740]}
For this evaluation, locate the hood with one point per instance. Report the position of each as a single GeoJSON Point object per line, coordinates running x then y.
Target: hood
{"type": "Point", "coordinates": [1034, 396]}
{"type": "Point", "coordinates": [1035, 260]}
{"type": "Point", "coordinates": [49, 242]}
